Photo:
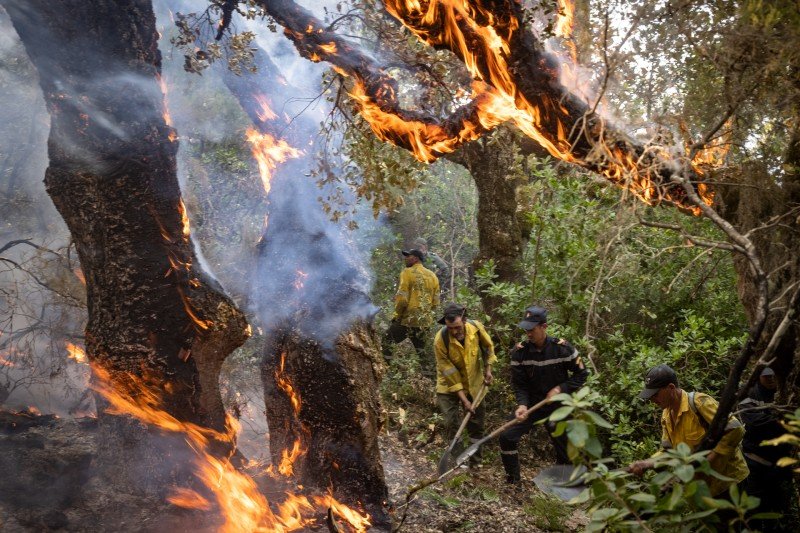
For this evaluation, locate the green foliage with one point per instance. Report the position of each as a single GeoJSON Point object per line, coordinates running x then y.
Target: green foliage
{"type": "Point", "coordinates": [674, 498]}
{"type": "Point", "coordinates": [549, 513]}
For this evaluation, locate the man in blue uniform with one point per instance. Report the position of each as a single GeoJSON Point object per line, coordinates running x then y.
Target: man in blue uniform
{"type": "Point", "coordinates": [541, 367]}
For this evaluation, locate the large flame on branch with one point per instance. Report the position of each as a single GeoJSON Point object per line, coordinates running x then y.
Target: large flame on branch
{"type": "Point", "coordinates": [515, 81]}
{"type": "Point", "coordinates": [237, 497]}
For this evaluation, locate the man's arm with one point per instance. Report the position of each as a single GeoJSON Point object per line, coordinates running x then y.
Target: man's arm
{"type": "Point", "coordinates": [402, 296]}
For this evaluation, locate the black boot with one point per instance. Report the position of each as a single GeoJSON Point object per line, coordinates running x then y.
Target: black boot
{"type": "Point", "coordinates": [511, 466]}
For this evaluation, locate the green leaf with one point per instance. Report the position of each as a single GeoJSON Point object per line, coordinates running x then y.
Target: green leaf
{"type": "Point", "coordinates": [685, 473]}
{"type": "Point", "coordinates": [561, 413]}
{"type": "Point", "coordinates": [643, 497]}
{"type": "Point", "coordinates": [578, 433]}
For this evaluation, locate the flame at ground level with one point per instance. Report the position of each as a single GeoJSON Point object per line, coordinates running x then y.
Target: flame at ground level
{"type": "Point", "coordinates": [238, 499]}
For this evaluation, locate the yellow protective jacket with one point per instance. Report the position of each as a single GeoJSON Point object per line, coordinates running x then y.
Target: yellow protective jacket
{"type": "Point", "coordinates": [461, 366]}
{"type": "Point", "coordinates": [417, 297]}
{"type": "Point", "coordinates": [688, 428]}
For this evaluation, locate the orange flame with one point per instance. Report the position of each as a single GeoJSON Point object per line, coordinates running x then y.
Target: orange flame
{"type": "Point", "coordinates": [266, 112]}
{"type": "Point", "coordinates": [187, 306]}
{"type": "Point", "coordinates": [172, 135]}
{"type": "Point", "coordinates": [76, 353]}
{"type": "Point", "coordinates": [565, 19]}
{"type": "Point", "coordinates": [184, 218]}
{"type": "Point", "coordinates": [288, 457]}
{"type": "Point", "coordinates": [268, 153]}
{"type": "Point", "coordinates": [485, 52]}
{"type": "Point", "coordinates": [6, 362]}
{"type": "Point", "coordinates": [242, 506]}
{"type": "Point", "coordinates": [188, 499]}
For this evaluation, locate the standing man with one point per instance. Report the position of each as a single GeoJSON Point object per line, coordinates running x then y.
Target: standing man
{"type": "Point", "coordinates": [685, 417]}
{"type": "Point", "coordinates": [464, 359]}
{"type": "Point", "coordinates": [541, 367]}
{"type": "Point", "coordinates": [414, 306]}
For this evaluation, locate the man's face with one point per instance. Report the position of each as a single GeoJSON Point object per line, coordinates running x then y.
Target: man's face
{"type": "Point", "coordinates": [769, 382]}
{"type": "Point", "coordinates": [411, 260]}
{"type": "Point", "coordinates": [537, 334]}
{"type": "Point", "coordinates": [455, 327]}
{"type": "Point", "coordinates": [664, 396]}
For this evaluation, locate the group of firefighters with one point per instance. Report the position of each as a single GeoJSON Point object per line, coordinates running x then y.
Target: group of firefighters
{"type": "Point", "coordinates": [543, 366]}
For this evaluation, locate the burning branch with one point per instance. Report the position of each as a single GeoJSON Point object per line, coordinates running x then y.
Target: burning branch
{"type": "Point", "coordinates": [514, 80]}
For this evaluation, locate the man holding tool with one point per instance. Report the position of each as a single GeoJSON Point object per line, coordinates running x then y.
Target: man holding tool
{"type": "Point", "coordinates": [464, 358]}
{"type": "Point", "coordinates": [541, 367]}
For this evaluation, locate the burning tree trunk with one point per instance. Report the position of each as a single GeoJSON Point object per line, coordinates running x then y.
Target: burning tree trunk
{"type": "Point", "coordinates": [323, 407]}
{"type": "Point", "coordinates": [322, 365]}
{"type": "Point", "coordinates": [112, 176]}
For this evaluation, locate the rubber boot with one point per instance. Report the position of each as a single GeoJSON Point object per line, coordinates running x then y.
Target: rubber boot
{"type": "Point", "coordinates": [511, 466]}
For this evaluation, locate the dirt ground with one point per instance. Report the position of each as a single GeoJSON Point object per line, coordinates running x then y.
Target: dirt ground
{"type": "Point", "coordinates": [475, 499]}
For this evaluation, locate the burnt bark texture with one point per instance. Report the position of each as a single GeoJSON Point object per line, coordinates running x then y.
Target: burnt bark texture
{"type": "Point", "coordinates": [112, 176]}
{"type": "Point", "coordinates": [322, 362]}
{"type": "Point", "coordinates": [339, 414]}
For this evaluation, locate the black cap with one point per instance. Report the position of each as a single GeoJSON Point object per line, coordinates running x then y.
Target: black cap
{"type": "Point", "coordinates": [415, 253]}
{"type": "Point", "coordinates": [452, 311]}
{"type": "Point", "coordinates": [658, 377]}
{"type": "Point", "coordinates": [534, 316]}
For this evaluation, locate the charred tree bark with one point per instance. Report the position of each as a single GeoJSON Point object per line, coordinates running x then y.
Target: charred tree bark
{"type": "Point", "coordinates": [338, 417]}
{"type": "Point", "coordinates": [112, 175]}
{"type": "Point", "coordinates": [322, 364]}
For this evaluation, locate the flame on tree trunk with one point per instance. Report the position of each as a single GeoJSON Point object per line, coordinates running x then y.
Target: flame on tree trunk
{"type": "Point", "coordinates": [112, 176]}
{"type": "Point", "coordinates": [323, 408]}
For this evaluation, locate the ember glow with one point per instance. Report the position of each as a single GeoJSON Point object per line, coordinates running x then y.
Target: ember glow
{"type": "Point", "coordinates": [76, 353]}
{"type": "Point", "coordinates": [236, 496]}
{"type": "Point", "coordinates": [268, 152]}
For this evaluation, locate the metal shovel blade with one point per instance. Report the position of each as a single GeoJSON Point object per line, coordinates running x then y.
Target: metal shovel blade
{"type": "Point", "coordinates": [561, 481]}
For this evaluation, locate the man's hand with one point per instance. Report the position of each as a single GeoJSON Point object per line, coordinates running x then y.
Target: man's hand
{"type": "Point", "coordinates": [467, 405]}
{"type": "Point", "coordinates": [488, 377]}
{"type": "Point", "coordinates": [639, 467]}
{"type": "Point", "coordinates": [520, 412]}
{"type": "Point", "coordinates": [552, 392]}
{"type": "Point", "coordinates": [465, 402]}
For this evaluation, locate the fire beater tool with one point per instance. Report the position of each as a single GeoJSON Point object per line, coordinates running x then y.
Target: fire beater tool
{"type": "Point", "coordinates": [445, 463]}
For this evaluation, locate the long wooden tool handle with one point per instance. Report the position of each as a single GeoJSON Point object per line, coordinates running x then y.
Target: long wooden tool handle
{"type": "Point", "coordinates": [478, 400]}
{"type": "Point", "coordinates": [466, 453]}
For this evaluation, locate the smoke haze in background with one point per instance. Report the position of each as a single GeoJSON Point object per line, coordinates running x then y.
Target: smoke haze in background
{"type": "Point", "coordinates": [38, 315]}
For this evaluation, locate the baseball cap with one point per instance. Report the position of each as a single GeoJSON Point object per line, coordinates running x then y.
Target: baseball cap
{"type": "Point", "coordinates": [657, 377]}
{"type": "Point", "coordinates": [534, 316]}
{"type": "Point", "coordinates": [452, 311]}
{"type": "Point", "coordinates": [767, 372]}
{"type": "Point", "coordinates": [415, 253]}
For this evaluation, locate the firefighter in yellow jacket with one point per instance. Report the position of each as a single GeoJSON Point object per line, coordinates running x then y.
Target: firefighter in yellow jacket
{"type": "Point", "coordinates": [415, 305]}
{"type": "Point", "coordinates": [685, 418]}
{"type": "Point", "coordinates": [464, 359]}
